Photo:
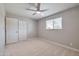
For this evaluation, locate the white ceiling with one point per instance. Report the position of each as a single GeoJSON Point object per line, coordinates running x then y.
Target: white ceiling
{"type": "Point", "coordinates": [20, 9]}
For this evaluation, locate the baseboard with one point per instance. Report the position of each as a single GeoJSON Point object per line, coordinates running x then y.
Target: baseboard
{"type": "Point", "coordinates": [59, 44]}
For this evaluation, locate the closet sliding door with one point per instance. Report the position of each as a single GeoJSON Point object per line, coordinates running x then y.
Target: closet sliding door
{"type": "Point", "coordinates": [11, 30]}
{"type": "Point", "coordinates": [22, 30]}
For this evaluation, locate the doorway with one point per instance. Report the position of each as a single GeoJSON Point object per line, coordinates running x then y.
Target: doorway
{"type": "Point", "coordinates": [16, 30]}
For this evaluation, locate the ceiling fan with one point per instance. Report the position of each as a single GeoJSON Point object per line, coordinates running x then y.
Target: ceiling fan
{"type": "Point", "coordinates": [37, 11]}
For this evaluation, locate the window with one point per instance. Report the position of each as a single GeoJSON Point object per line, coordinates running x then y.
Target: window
{"type": "Point", "coordinates": [49, 24]}
{"type": "Point", "coordinates": [54, 23]}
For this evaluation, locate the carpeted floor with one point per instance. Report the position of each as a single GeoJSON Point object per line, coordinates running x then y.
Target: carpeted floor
{"type": "Point", "coordinates": [37, 47]}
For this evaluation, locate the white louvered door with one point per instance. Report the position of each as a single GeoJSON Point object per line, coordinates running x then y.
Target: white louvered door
{"type": "Point", "coordinates": [22, 30]}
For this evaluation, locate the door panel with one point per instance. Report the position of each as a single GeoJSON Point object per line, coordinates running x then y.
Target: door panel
{"type": "Point", "coordinates": [22, 30]}
{"type": "Point", "coordinates": [11, 30]}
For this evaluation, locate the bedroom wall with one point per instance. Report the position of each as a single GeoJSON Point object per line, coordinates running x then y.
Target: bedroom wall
{"type": "Point", "coordinates": [70, 32]}
{"type": "Point", "coordinates": [32, 24]}
{"type": "Point", "coordinates": [2, 29]}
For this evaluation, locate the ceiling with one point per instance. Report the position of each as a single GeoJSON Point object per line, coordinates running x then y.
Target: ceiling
{"type": "Point", "coordinates": [52, 8]}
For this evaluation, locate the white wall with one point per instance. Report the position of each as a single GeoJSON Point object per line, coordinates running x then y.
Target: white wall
{"type": "Point", "coordinates": [32, 25]}
{"type": "Point", "coordinates": [2, 29]}
{"type": "Point", "coordinates": [69, 33]}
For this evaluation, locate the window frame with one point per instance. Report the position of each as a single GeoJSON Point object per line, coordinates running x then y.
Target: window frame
{"type": "Point", "coordinates": [54, 23]}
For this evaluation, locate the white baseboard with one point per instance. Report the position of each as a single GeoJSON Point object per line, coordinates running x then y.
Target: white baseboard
{"type": "Point", "coordinates": [62, 45]}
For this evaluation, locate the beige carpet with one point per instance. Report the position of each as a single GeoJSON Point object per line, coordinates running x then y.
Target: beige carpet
{"type": "Point", "coordinates": [37, 47]}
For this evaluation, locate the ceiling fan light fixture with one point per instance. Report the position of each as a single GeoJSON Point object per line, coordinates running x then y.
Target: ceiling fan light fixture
{"type": "Point", "coordinates": [38, 12]}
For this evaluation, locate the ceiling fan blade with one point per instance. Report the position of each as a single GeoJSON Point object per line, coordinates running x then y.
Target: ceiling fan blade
{"type": "Point", "coordinates": [38, 6]}
{"type": "Point", "coordinates": [43, 10]}
{"type": "Point", "coordinates": [33, 13]}
{"type": "Point", "coordinates": [31, 9]}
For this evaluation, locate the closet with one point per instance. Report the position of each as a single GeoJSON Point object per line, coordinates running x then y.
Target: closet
{"type": "Point", "coordinates": [16, 30]}
{"type": "Point", "coordinates": [22, 30]}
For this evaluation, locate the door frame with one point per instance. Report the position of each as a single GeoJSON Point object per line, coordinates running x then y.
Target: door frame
{"type": "Point", "coordinates": [6, 30]}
